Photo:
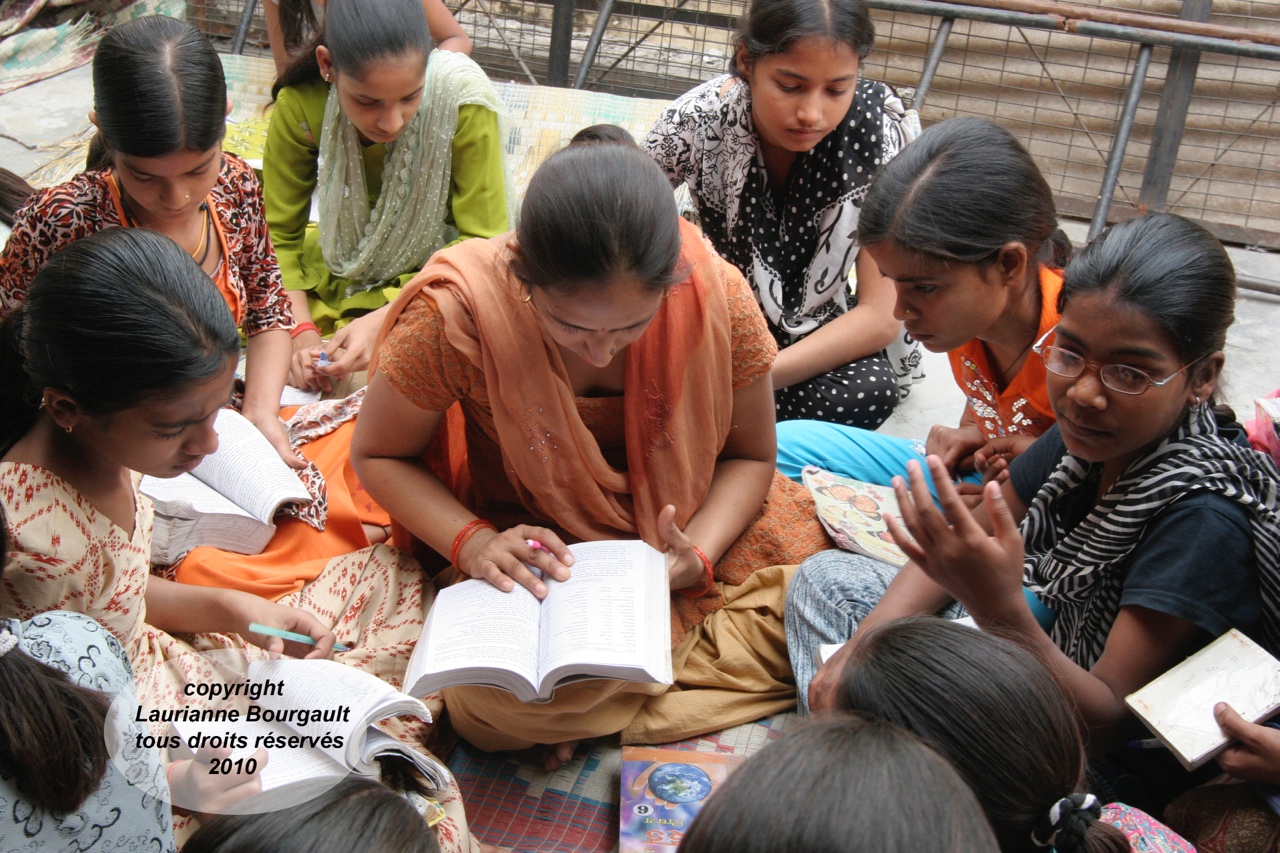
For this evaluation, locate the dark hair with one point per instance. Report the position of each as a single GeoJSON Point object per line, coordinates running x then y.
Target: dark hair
{"type": "Point", "coordinates": [358, 815]}
{"type": "Point", "coordinates": [14, 192]}
{"type": "Point", "coordinates": [1169, 268]}
{"type": "Point", "coordinates": [991, 708]}
{"type": "Point", "coordinates": [359, 32]}
{"type": "Point", "coordinates": [842, 784]}
{"type": "Point", "coordinates": [610, 133]}
{"type": "Point", "coordinates": [297, 23]}
{"type": "Point", "coordinates": [960, 192]}
{"type": "Point", "coordinates": [51, 740]}
{"type": "Point", "coordinates": [594, 212]}
{"type": "Point", "coordinates": [117, 317]}
{"type": "Point", "coordinates": [772, 26]}
{"type": "Point", "coordinates": [158, 88]}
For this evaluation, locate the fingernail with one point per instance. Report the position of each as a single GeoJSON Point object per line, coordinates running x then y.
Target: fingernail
{"type": "Point", "coordinates": [540, 590]}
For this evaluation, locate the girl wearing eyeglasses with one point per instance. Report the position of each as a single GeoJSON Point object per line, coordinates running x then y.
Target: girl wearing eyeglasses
{"type": "Point", "coordinates": [1142, 519]}
{"type": "Point", "coordinates": [963, 223]}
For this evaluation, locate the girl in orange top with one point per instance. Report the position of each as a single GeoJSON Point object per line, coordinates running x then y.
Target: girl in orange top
{"type": "Point", "coordinates": [964, 224]}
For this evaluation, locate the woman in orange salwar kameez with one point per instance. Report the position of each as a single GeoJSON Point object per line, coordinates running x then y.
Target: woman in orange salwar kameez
{"type": "Point", "coordinates": [613, 376]}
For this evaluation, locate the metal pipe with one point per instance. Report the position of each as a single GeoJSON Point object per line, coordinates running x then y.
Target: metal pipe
{"type": "Point", "coordinates": [1116, 157]}
{"type": "Point", "coordinates": [1261, 285]}
{"type": "Point", "coordinates": [1209, 45]}
{"type": "Point", "coordinates": [593, 43]}
{"type": "Point", "coordinates": [561, 43]}
{"type": "Point", "coordinates": [242, 31]}
{"type": "Point", "coordinates": [1137, 20]}
{"type": "Point", "coordinates": [1085, 28]}
{"type": "Point", "coordinates": [931, 63]}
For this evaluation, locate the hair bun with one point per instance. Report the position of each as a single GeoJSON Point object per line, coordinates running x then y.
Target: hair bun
{"type": "Point", "coordinates": [1067, 822]}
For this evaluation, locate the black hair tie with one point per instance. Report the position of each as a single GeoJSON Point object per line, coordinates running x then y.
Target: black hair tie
{"type": "Point", "coordinates": [1068, 820]}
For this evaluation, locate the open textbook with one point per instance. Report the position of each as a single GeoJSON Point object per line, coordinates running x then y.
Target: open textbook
{"type": "Point", "coordinates": [228, 501]}
{"type": "Point", "coordinates": [311, 763]}
{"type": "Point", "coordinates": [611, 619]}
{"type": "Point", "coordinates": [1178, 706]}
{"type": "Point", "coordinates": [853, 513]}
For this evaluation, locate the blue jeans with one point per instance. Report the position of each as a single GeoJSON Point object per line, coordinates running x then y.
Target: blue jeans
{"type": "Point", "coordinates": [832, 592]}
{"type": "Point", "coordinates": [830, 595]}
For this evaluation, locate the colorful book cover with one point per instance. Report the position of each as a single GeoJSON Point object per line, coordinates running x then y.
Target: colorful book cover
{"type": "Point", "coordinates": [853, 513]}
{"type": "Point", "coordinates": [662, 791]}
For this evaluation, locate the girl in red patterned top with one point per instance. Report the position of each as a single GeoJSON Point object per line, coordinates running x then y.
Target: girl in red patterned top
{"type": "Point", "coordinates": [160, 102]}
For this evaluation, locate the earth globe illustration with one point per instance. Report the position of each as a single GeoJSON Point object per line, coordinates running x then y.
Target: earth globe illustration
{"type": "Point", "coordinates": [679, 783]}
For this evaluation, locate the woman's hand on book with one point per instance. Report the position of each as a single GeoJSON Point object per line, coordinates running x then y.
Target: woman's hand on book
{"type": "Point", "coordinates": [501, 558]}
{"type": "Point", "coordinates": [983, 570]}
{"type": "Point", "coordinates": [193, 788]}
{"type": "Point", "coordinates": [273, 428]}
{"type": "Point", "coordinates": [1256, 757]}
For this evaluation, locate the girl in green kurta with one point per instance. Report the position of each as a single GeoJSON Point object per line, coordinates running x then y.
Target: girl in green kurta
{"type": "Point", "coordinates": [401, 146]}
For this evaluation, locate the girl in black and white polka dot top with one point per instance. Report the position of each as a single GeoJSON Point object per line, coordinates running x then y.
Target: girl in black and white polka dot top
{"type": "Point", "coordinates": [777, 157]}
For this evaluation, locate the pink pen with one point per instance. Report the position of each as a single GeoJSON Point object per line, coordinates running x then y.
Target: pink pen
{"type": "Point", "coordinates": [536, 545]}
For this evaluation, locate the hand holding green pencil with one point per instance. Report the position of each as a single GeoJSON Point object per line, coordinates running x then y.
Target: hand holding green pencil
{"type": "Point", "coordinates": [258, 628]}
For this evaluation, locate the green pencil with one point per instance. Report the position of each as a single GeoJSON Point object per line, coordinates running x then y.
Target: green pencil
{"type": "Point", "coordinates": [291, 635]}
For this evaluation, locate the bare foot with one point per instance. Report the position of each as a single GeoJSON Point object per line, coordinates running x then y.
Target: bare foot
{"type": "Point", "coordinates": [376, 535]}
{"type": "Point", "coordinates": [560, 755]}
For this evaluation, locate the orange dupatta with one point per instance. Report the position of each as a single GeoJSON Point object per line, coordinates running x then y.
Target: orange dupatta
{"type": "Point", "coordinates": [678, 404]}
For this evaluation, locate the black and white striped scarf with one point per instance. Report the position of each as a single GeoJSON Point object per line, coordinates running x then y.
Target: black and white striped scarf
{"type": "Point", "coordinates": [1080, 574]}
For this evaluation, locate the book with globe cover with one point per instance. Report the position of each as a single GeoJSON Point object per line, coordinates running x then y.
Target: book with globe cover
{"type": "Point", "coordinates": [662, 791]}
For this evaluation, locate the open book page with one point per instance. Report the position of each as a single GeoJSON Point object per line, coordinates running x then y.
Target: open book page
{"type": "Point", "coordinates": [1178, 706]}
{"type": "Point", "coordinates": [474, 624]}
{"type": "Point", "coordinates": [325, 684]}
{"type": "Point", "coordinates": [186, 497]}
{"type": "Point", "coordinates": [613, 611]}
{"type": "Point", "coordinates": [853, 513]}
{"type": "Point", "coordinates": [284, 766]}
{"type": "Point", "coordinates": [247, 470]}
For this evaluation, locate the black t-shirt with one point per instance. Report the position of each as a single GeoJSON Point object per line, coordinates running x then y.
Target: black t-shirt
{"type": "Point", "coordinates": [1195, 560]}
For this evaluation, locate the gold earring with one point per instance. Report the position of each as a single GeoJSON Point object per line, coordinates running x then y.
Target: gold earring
{"type": "Point", "coordinates": [613, 351]}
{"type": "Point", "coordinates": [69, 428]}
{"type": "Point", "coordinates": [528, 297]}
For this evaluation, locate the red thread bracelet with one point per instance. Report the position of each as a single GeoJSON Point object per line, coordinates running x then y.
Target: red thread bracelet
{"type": "Point", "coordinates": [469, 530]}
{"type": "Point", "coordinates": [708, 585]}
{"type": "Point", "coordinates": [304, 327]}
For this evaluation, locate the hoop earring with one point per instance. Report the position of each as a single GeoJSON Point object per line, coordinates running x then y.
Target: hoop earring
{"type": "Point", "coordinates": [69, 428]}
{"type": "Point", "coordinates": [528, 297]}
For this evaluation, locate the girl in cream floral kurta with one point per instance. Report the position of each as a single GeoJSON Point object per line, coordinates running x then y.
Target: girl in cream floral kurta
{"type": "Point", "coordinates": [65, 555]}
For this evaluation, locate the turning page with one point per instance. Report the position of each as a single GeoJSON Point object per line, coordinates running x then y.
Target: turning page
{"type": "Point", "coordinates": [246, 469]}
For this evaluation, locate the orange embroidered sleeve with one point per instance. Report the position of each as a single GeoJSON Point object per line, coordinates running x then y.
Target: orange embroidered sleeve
{"type": "Point", "coordinates": [420, 363]}
{"type": "Point", "coordinates": [753, 347]}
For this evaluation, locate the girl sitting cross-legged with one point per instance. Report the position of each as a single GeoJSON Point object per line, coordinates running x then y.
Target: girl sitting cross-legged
{"type": "Point", "coordinates": [777, 157]}
{"type": "Point", "coordinates": [612, 376]}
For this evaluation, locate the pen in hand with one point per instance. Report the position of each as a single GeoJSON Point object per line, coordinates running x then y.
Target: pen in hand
{"type": "Point", "coordinates": [258, 628]}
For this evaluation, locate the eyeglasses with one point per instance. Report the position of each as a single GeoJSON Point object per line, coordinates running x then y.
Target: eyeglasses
{"type": "Point", "coordinates": [1118, 377]}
